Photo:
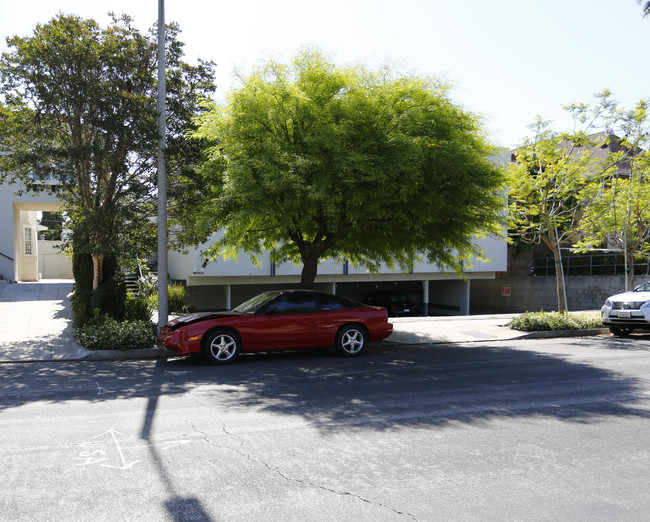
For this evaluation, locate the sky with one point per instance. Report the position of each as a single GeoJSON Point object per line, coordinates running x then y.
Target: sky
{"type": "Point", "coordinates": [508, 60]}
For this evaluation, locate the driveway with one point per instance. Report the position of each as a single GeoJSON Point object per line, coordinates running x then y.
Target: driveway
{"type": "Point", "coordinates": [36, 322]}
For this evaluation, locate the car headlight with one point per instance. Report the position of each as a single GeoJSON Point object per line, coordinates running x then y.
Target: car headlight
{"type": "Point", "coordinates": [608, 303]}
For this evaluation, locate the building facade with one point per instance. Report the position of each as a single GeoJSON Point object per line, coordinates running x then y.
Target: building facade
{"type": "Point", "coordinates": [22, 256]}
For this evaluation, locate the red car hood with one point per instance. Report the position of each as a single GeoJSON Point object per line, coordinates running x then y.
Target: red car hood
{"type": "Point", "coordinates": [198, 317]}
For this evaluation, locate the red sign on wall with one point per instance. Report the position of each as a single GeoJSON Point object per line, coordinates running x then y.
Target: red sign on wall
{"type": "Point", "coordinates": [505, 291]}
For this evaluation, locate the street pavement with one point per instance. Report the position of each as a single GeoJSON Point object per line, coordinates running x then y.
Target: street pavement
{"type": "Point", "coordinates": [36, 326]}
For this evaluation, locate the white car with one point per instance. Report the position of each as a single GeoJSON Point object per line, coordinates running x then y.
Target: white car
{"type": "Point", "coordinates": [623, 313]}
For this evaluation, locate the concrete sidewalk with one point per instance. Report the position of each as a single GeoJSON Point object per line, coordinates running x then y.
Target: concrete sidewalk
{"type": "Point", "coordinates": [36, 326]}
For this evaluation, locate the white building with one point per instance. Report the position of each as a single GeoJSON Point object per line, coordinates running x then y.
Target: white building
{"type": "Point", "coordinates": [222, 284]}
{"type": "Point", "coordinates": [22, 256]}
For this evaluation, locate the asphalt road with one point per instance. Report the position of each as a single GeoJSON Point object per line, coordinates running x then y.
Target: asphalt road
{"type": "Point", "coordinates": [519, 430]}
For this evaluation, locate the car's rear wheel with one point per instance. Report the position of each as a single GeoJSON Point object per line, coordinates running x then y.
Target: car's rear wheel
{"type": "Point", "coordinates": [620, 331]}
{"type": "Point", "coordinates": [351, 340]}
{"type": "Point", "coordinates": [221, 347]}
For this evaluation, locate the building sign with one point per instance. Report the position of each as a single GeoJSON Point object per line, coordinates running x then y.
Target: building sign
{"type": "Point", "coordinates": [505, 291]}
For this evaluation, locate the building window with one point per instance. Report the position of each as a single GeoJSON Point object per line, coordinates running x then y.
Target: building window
{"type": "Point", "coordinates": [29, 241]}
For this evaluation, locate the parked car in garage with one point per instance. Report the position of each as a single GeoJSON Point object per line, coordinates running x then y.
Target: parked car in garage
{"type": "Point", "coordinates": [397, 303]}
{"type": "Point", "coordinates": [623, 313]}
{"type": "Point", "coordinates": [278, 320]}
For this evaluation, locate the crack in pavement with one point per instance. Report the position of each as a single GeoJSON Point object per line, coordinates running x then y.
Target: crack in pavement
{"type": "Point", "coordinates": [287, 478]}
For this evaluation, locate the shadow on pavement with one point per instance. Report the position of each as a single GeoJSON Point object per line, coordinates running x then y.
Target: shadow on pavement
{"type": "Point", "coordinates": [389, 388]}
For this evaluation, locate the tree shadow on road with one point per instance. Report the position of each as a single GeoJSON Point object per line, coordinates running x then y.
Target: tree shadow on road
{"type": "Point", "coordinates": [389, 388]}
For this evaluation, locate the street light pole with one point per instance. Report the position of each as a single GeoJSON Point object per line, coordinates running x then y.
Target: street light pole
{"type": "Point", "coordinates": [162, 173]}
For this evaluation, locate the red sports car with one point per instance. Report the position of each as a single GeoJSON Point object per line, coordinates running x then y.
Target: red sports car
{"type": "Point", "coordinates": [278, 320]}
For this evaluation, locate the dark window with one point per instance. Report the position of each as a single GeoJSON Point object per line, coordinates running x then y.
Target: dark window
{"type": "Point", "coordinates": [334, 302]}
{"type": "Point", "coordinates": [294, 303]}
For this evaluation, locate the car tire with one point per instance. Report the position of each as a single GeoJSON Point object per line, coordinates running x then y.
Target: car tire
{"type": "Point", "coordinates": [351, 341]}
{"type": "Point", "coordinates": [620, 331]}
{"type": "Point", "coordinates": [221, 347]}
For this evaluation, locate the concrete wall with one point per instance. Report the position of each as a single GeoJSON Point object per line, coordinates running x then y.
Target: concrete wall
{"type": "Point", "coordinates": [531, 294]}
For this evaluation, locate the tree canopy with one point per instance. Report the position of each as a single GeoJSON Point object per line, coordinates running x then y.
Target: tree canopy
{"type": "Point", "coordinates": [78, 118]}
{"type": "Point", "coordinates": [545, 182]}
{"type": "Point", "coordinates": [310, 160]}
{"type": "Point", "coordinates": [584, 189]}
{"type": "Point", "coordinates": [616, 211]}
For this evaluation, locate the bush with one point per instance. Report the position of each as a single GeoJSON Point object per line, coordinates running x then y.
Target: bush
{"type": "Point", "coordinates": [545, 321]}
{"type": "Point", "coordinates": [105, 333]}
{"type": "Point", "coordinates": [176, 296]}
{"type": "Point", "coordinates": [136, 308]}
{"type": "Point", "coordinates": [175, 299]}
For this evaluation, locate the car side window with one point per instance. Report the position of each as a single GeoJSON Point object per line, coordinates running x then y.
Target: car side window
{"type": "Point", "coordinates": [333, 302]}
{"type": "Point", "coordinates": [645, 287]}
{"type": "Point", "coordinates": [294, 303]}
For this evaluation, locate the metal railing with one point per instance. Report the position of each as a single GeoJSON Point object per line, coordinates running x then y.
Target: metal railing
{"type": "Point", "coordinates": [590, 264]}
{"type": "Point", "coordinates": [6, 256]}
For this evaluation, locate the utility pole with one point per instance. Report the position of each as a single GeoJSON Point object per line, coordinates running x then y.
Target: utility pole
{"type": "Point", "coordinates": [163, 297]}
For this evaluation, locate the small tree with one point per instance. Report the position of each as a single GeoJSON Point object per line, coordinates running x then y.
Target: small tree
{"type": "Point", "coordinates": [54, 223]}
{"type": "Point", "coordinates": [545, 182]}
{"type": "Point", "coordinates": [311, 160]}
{"type": "Point", "coordinates": [617, 213]}
{"type": "Point", "coordinates": [583, 188]}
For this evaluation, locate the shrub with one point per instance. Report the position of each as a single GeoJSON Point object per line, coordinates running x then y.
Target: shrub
{"type": "Point", "coordinates": [176, 295]}
{"type": "Point", "coordinates": [105, 333]}
{"type": "Point", "coordinates": [175, 299]}
{"type": "Point", "coordinates": [545, 321]}
{"type": "Point", "coordinates": [136, 308]}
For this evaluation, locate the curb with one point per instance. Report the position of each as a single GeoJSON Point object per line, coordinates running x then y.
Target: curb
{"type": "Point", "coordinates": [111, 355]}
{"type": "Point", "coordinates": [565, 333]}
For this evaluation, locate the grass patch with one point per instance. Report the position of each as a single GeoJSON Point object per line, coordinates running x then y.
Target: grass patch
{"type": "Point", "coordinates": [550, 321]}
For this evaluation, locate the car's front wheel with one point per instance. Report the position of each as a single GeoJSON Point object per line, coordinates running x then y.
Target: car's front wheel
{"type": "Point", "coordinates": [222, 347]}
{"type": "Point", "coordinates": [351, 341]}
{"type": "Point", "coordinates": [620, 331]}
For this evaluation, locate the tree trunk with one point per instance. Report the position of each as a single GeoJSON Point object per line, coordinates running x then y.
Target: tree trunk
{"type": "Point", "coordinates": [552, 244]}
{"type": "Point", "coordinates": [309, 271]}
{"type": "Point", "coordinates": [98, 270]}
{"type": "Point", "coordinates": [629, 274]}
{"type": "Point", "coordinates": [559, 281]}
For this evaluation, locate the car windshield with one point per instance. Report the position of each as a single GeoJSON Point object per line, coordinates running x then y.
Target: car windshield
{"type": "Point", "coordinates": [645, 287]}
{"type": "Point", "coordinates": [257, 304]}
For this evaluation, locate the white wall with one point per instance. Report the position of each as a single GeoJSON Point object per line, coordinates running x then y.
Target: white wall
{"type": "Point", "coordinates": [183, 266]}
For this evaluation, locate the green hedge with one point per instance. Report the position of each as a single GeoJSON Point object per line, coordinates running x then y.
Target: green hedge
{"type": "Point", "coordinates": [106, 333]}
{"type": "Point", "coordinates": [545, 321]}
{"type": "Point", "coordinates": [175, 299]}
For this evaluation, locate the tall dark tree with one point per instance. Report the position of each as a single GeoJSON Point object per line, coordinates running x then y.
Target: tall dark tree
{"type": "Point", "coordinates": [311, 160]}
{"type": "Point", "coordinates": [79, 119]}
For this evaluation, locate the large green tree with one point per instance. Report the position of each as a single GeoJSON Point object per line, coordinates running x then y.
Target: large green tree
{"type": "Point", "coordinates": [311, 160]}
{"type": "Point", "coordinates": [79, 119]}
